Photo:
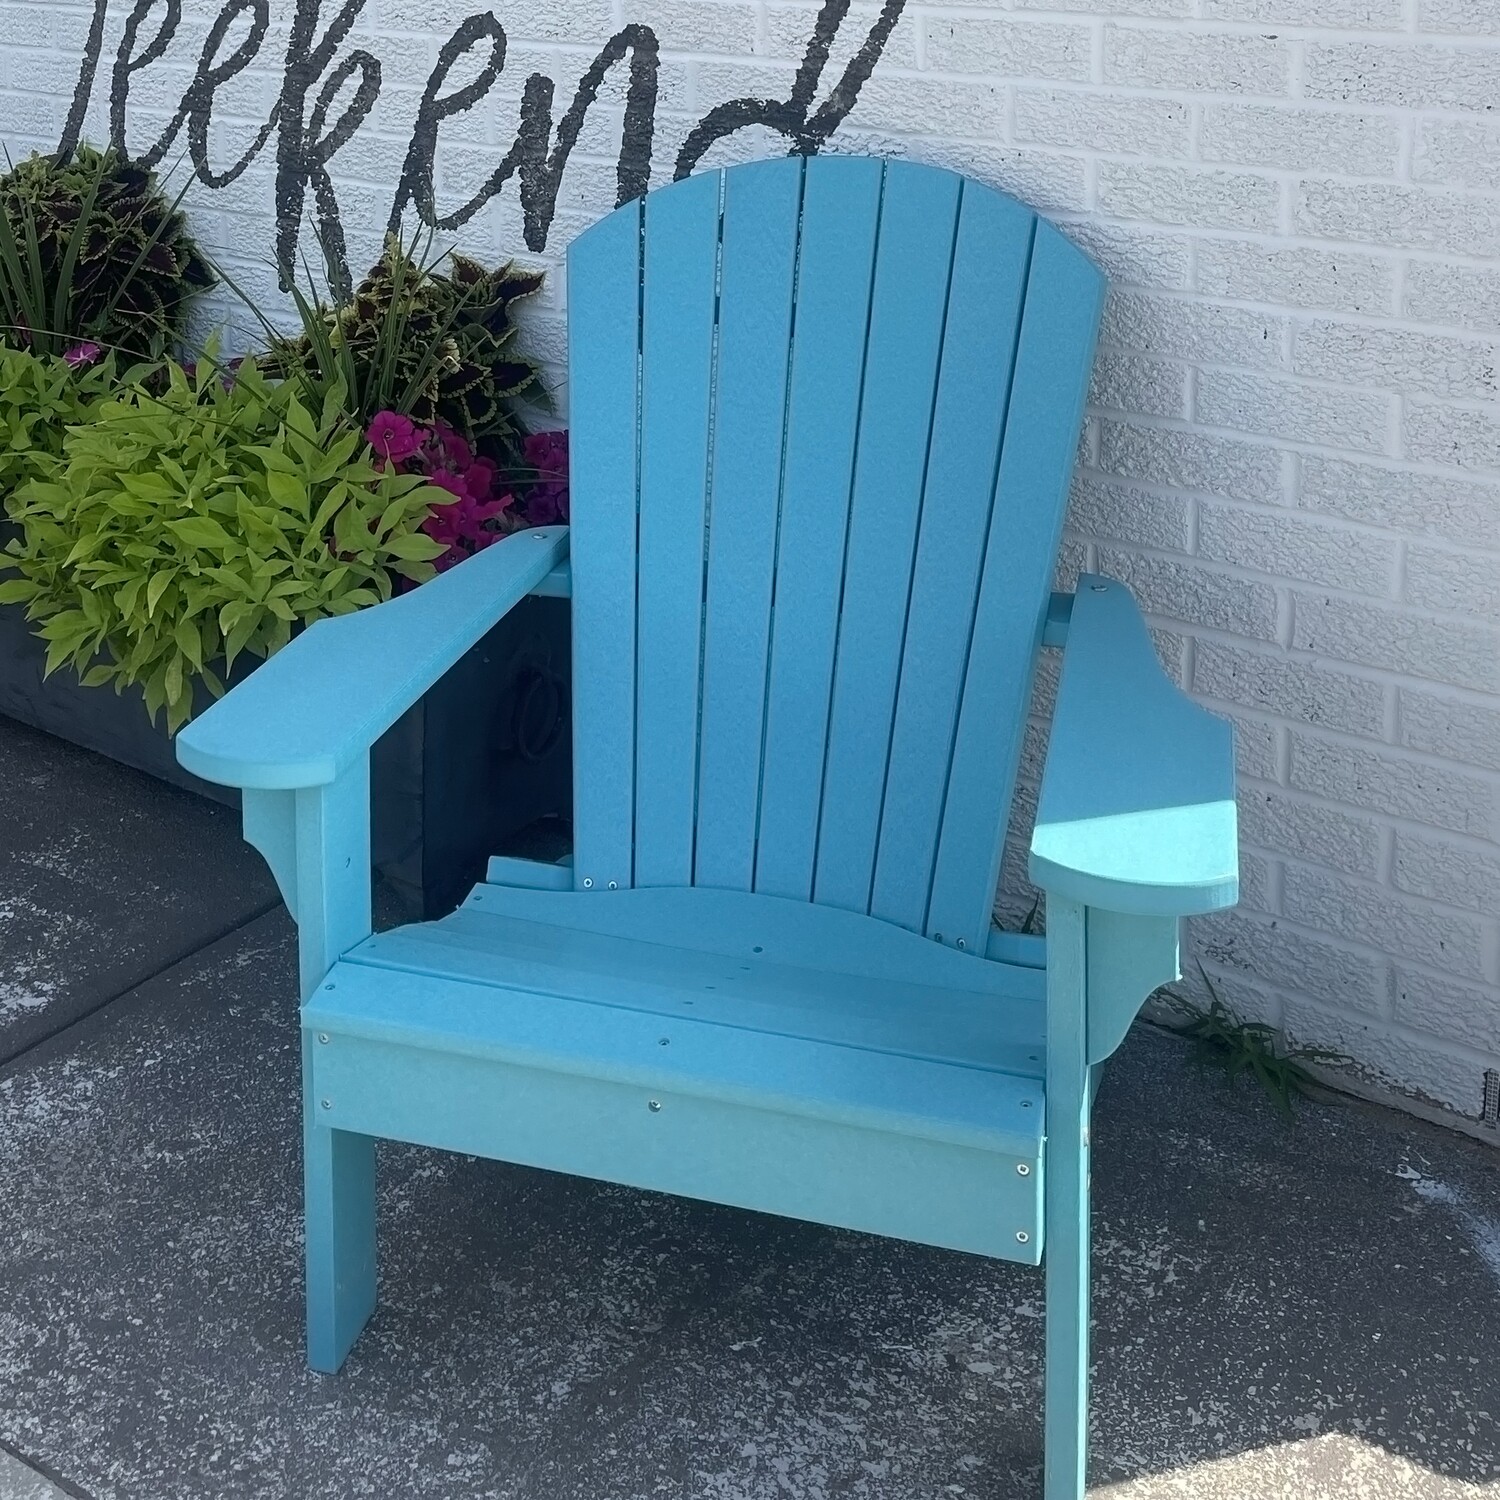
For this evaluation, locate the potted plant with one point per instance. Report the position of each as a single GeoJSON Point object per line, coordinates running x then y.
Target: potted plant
{"type": "Point", "coordinates": [171, 524]}
{"type": "Point", "coordinates": [424, 352]}
{"type": "Point", "coordinates": [98, 275]}
{"type": "Point", "coordinates": [94, 259]}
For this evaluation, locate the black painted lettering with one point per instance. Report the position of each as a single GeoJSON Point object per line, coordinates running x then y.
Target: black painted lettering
{"type": "Point", "coordinates": [541, 171]}
{"type": "Point", "coordinates": [538, 156]}
{"type": "Point", "coordinates": [87, 68]}
{"type": "Point", "coordinates": [535, 156]}
{"type": "Point", "coordinates": [322, 141]}
{"type": "Point", "coordinates": [128, 61]}
{"type": "Point", "coordinates": [211, 76]}
{"type": "Point", "coordinates": [793, 116]}
{"type": "Point", "coordinates": [416, 186]}
{"type": "Point", "coordinates": [302, 148]}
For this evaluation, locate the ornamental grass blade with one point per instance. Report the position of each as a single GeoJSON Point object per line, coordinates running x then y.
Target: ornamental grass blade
{"type": "Point", "coordinates": [152, 240]}
{"type": "Point", "coordinates": [22, 281]}
{"type": "Point", "coordinates": [62, 293]}
{"type": "Point", "coordinates": [469, 297]}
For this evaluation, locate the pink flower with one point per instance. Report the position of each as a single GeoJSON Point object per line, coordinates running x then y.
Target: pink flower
{"type": "Point", "coordinates": [547, 504]}
{"type": "Point", "coordinates": [480, 512]}
{"type": "Point", "coordinates": [449, 448]}
{"type": "Point", "coordinates": [447, 479]}
{"type": "Point", "coordinates": [547, 453]}
{"type": "Point", "coordinates": [444, 524]}
{"type": "Point", "coordinates": [81, 355]}
{"type": "Point", "coordinates": [547, 500]}
{"type": "Point", "coordinates": [484, 511]}
{"type": "Point", "coordinates": [392, 436]}
{"type": "Point", "coordinates": [479, 478]}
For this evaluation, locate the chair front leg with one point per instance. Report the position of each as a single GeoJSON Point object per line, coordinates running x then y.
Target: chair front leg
{"type": "Point", "coordinates": [317, 841]}
{"type": "Point", "coordinates": [338, 1170]}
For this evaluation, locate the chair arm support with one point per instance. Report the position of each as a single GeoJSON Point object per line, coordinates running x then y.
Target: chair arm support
{"type": "Point", "coordinates": [322, 701]}
{"type": "Point", "coordinates": [1137, 810]}
{"type": "Point", "coordinates": [317, 842]}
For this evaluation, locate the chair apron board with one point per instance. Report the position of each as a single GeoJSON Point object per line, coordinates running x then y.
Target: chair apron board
{"type": "Point", "coordinates": [901, 1105]}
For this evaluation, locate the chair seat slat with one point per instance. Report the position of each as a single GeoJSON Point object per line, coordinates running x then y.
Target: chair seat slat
{"type": "Point", "coordinates": [998, 1028]}
{"type": "Point", "coordinates": [981, 1108]}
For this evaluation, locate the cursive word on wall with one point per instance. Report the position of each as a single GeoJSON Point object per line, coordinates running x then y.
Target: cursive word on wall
{"type": "Point", "coordinates": [326, 95]}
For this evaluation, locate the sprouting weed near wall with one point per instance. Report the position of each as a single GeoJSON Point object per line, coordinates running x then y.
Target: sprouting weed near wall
{"type": "Point", "coordinates": [307, 138]}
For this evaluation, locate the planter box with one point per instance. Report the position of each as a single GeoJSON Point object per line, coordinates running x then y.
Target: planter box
{"type": "Point", "coordinates": [486, 755]}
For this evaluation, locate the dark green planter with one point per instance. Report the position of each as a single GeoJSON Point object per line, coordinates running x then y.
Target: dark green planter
{"type": "Point", "coordinates": [471, 769]}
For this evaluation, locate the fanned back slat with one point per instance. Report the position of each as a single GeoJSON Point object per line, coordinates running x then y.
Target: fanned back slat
{"type": "Point", "coordinates": [840, 214]}
{"type": "Point", "coordinates": [1064, 296]}
{"type": "Point", "coordinates": [984, 307]}
{"type": "Point", "coordinates": [761, 206]}
{"type": "Point", "coordinates": [823, 418]}
{"type": "Point", "coordinates": [604, 289]}
{"type": "Point", "coordinates": [907, 314]}
{"type": "Point", "coordinates": [677, 343]}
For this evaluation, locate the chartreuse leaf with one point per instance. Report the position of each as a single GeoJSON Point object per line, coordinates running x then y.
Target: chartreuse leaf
{"type": "Point", "coordinates": [414, 547]}
{"type": "Point", "coordinates": [189, 642]}
{"type": "Point", "coordinates": [39, 399]}
{"type": "Point", "coordinates": [156, 585]}
{"type": "Point", "coordinates": [202, 531]}
{"type": "Point", "coordinates": [275, 458]}
{"type": "Point", "coordinates": [287, 490]}
{"type": "Point", "coordinates": [166, 529]}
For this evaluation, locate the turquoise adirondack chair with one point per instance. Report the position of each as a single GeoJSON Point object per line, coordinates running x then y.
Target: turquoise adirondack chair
{"type": "Point", "coordinates": [824, 414]}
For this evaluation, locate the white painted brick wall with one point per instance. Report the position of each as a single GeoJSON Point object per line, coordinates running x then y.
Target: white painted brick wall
{"type": "Point", "coordinates": [1294, 448]}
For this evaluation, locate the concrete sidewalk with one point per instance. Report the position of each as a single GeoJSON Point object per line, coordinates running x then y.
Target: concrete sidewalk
{"type": "Point", "coordinates": [1305, 1313]}
{"type": "Point", "coordinates": [106, 878]}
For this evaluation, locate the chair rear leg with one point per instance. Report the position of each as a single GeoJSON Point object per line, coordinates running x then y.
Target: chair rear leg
{"type": "Point", "coordinates": [1065, 1251]}
{"type": "Point", "coordinates": [339, 1176]}
{"type": "Point", "coordinates": [1067, 1270]}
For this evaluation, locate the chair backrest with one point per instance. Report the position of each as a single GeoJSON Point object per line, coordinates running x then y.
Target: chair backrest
{"type": "Point", "coordinates": [823, 416]}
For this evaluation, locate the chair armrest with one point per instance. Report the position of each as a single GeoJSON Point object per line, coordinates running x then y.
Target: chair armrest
{"type": "Point", "coordinates": [1137, 809]}
{"type": "Point", "coordinates": [325, 698]}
